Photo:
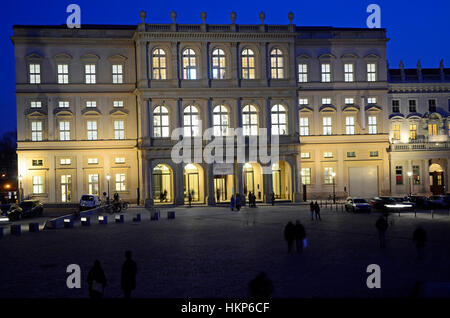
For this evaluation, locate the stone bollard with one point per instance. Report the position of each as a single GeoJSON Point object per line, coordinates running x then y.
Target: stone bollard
{"type": "Point", "coordinates": [155, 216]}
{"type": "Point", "coordinates": [68, 223]}
{"type": "Point", "coordinates": [85, 221]}
{"type": "Point", "coordinates": [119, 218]}
{"type": "Point", "coordinates": [137, 218]}
{"type": "Point", "coordinates": [171, 215]}
{"type": "Point", "coordinates": [16, 229]}
{"type": "Point", "coordinates": [103, 219]}
{"type": "Point", "coordinates": [33, 227]}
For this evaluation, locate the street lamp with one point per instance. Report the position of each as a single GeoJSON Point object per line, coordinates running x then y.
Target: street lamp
{"type": "Point", "coordinates": [410, 182]}
{"type": "Point", "coordinates": [19, 195]}
{"type": "Point", "coordinates": [333, 174]}
{"type": "Point", "coordinates": [107, 179]}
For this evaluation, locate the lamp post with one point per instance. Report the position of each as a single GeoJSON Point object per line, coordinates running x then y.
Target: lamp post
{"type": "Point", "coordinates": [410, 182]}
{"type": "Point", "coordinates": [333, 174]}
{"type": "Point", "coordinates": [107, 179]}
{"type": "Point", "coordinates": [19, 193]}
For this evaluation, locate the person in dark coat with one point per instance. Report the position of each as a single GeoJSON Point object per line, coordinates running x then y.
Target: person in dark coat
{"type": "Point", "coordinates": [96, 281]}
{"type": "Point", "coordinates": [289, 235]}
{"type": "Point", "coordinates": [311, 209]}
{"type": "Point", "coordinates": [272, 199]}
{"type": "Point", "coordinates": [238, 202]}
{"type": "Point", "coordinates": [260, 287]}
{"type": "Point", "coordinates": [317, 211]}
{"type": "Point", "coordinates": [382, 225]}
{"type": "Point", "coordinates": [300, 235]}
{"type": "Point", "coordinates": [232, 203]}
{"type": "Point", "coordinates": [254, 199]}
{"type": "Point", "coordinates": [420, 239]}
{"type": "Point", "coordinates": [218, 195]}
{"type": "Point", "coordinates": [250, 198]}
{"type": "Point", "coordinates": [129, 270]}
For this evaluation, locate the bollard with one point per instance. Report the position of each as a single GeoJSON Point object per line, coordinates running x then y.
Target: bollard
{"type": "Point", "coordinates": [33, 227]}
{"type": "Point", "coordinates": [137, 218]}
{"type": "Point", "coordinates": [85, 221]}
{"type": "Point", "coordinates": [16, 230]}
{"type": "Point", "coordinates": [119, 218]}
{"type": "Point", "coordinates": [103, 219]}
{"type": "Point", "coordinates": [1, 231]}
{"type": "Point", "coordinates": [155, 216]}
{"type": "Point", "coordinates": [432, 214]}
{"type": "Point", "coordinates": [171, 215]}
{"type": "Point", "coordinates": [68, 223]}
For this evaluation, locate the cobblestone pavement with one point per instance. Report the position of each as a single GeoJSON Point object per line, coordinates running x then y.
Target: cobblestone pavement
{"type": "Point", "coordinates": [213, 252]}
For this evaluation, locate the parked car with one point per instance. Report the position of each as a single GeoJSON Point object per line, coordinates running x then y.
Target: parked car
{"type": "Point", "coordinates": [420, 201]}
{"type": "Point", "coordinates": [89, 201]}
{"type": "Point", "coordinates": [357, 204]}
{"type": "Point", "coordinates": [26, 208]}
{"type": "Point", "coordinates": [391, 204]}
{"type": "Point", "coordinates": [440, 201]}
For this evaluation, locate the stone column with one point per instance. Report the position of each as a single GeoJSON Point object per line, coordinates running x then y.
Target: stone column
{"type": "Point", "coordinates": [179, 184]}
{"type": "Point", "coordinates": [267, 117]}
{"type": "Point", "coordinates": [142, 69]}
{"type": "Point", "coordinates": [211, 199]}
{"type": "Point", "coordinates": [263, 60]}
{"type": "Point", "coordinates": [174, 62]}
{"type": "Point", "coordinates": [149, 201]}
{"type": "Point", "coordinates": [79, 176]}
{"type": "Point", "coordinates": [52, 191]}
{"type": "Point", "coordinates": [268, 187]}
{"type": "Point", "coordinates": [426, 176]}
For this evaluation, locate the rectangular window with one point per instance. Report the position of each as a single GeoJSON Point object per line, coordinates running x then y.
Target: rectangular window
{"type": "Point", "coordinates": [302, 73]}
{"type": "Point", "coordinates": [92, 130]}
{"type": "Point", "coordinates": [396, 131]}
{"type": "Point", "coordinates": [91, 104]}
{"type": "Point", "coordinates": [120, 182]}
{"type": "Point", "coordinates": [306, 175]}
{"type": "Point", "coordinates": [119, 160]}
{"type": "Point", "coordinates": [63, 74]}
{"type": "Point", "coordinates": [432, 129]}
{"type": "Point", "coordinates": [90, 75]}
{"type": "Point", "coordinates": [35, 104]}
{"type": "Point", "coordinates": [93, 184]}
{"type": "Point", "coordinates": [304, 126]}
{"type": "Point", "coordinates": [326, 101]}
{"type": "Point", "coordinates": [35, 73]}
{"type": "Point", "coordinates": [432, 105]}
{"type": "Point", "coordinates": [328, 175]}
{"type": "Point", "coordinates": [63, 104]}
{"type": "Point", "coordinates": [348, 73]}
{"type": "Point", "coordinates": [350, 125]}
{"type": "Point", "coordinates": [36, 130]}
{"type": "Point", "coordinates": [351, 154]}
{"type": "Point", "coordinates": [118, 103]}
{"type": "Point", "coordinates": [412, 106]}
{"type": "Point", "coordinates": [92, 161]}
{"type": "Point", "coordinates": [372, 124]}
{"type": "Point", "coordinates": [416, 174]}
{"type": "Point", "coordinates": [398, 175]}
{"type": "Point", "coordinates": [327, 128]}
{"type": "Point", "coordinates": [66, 187]}
{"type": "Point", "coordinates": [305, 155]}
{"type": "Point", "coordinates": [38, 184]}
{"type": "Point", "coordinates": [371, 72]}
{"type": "Point", "coordinates": [65, 161]}
{"type": "Point", "coordinates": [396, 106]}
{"type": "Point", "coordinates": [371, 100]}
{"type": "Point", "coordinates": [373, 153]}
{"type": "Point", "coordinates": [349, 101]}
{"type": "Point", "coordinates": [303, 101]}
{"type": "Point", "coordinates": [64, 130]}
{"type": "Point", "coordinates": [328, 154]}
{"type": "Point", "coordinates": [117, 73]}
{"type": "Point", "coordinates": [37, 162]}
{"type": "Point", "coordinates": [119, 129]}
{"type": "Point", "coordinates": [326, 72]}
{"type": "Point", "coordinates": [412, 131]}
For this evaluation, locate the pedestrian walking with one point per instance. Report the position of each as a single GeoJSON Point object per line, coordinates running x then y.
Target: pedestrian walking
{"type": "Point", "coordinates": [238, 202]}
{"type": "Point", "coordinates": [272, 199]}
{"type": "Point", "coordinates": [260, 287]}
{"type": "Point", "coordinates": [317, 211]}
{"type": "Point", "coordinates": [382, 225]}
{"type": "Point", "coordinates": [232, 203]}
{"type": "Point", "coordinates": [250, 198]}
{"type": "Point", "coordinates": [300, 235]}
{"type": "Point", "coordinates": [96, 281]}
{"type": "Point", "coordinates": [129, 270]}
{"type": "Point", "coordinates": [218, 195]}
{"type": "Point", "coordinates": [289, 235]}
{"type": "Point", "coordinates": [190, 199]}
{"type": "Point", "coordinates": [311, 209]}
{"type": "Point", "coordinates": [420, 239]}
{"type": "Point", "coordinates": [254, 200]}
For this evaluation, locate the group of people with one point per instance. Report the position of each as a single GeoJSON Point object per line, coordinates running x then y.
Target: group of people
{"type": "Point", "coordinates": [314, 208]}
{"type": "Point", "coordinates": [295, 233]}
{"type": "Point", "coordinates": [163, 196]}
{"type": "Point", "coordinates": [235, 203]}
{"type": "Point", "coordinates": [252, 199]}
{"type": "Point", "coordinates": [97, 279]}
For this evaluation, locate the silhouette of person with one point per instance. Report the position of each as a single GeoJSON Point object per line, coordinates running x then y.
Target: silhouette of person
{"type": "Point", "coordinates": [311, 209]}
{"type": "Point", "coordinates": [129, 270]}
{"type": "Point", "coordinates": [300, 235]}
{"type": "Point", "coordinates": [96, 281]}
{"type": "Point", "coordinates": [218, 195]}
{"type": "Point", "coordinates": [272, 199]}
{"type": "Point", "coordinates": [317, 210]}
{"type": "Point", "coordinates": [260, 287]}
{"type": "Point", "coordinates": [382, 225]}
{"type": "Point", "coordinates": [289, 235]}
{"type": "Point", "coordinates": [232, 201]}
{"type": "Point", "coordinates": [238, 202]}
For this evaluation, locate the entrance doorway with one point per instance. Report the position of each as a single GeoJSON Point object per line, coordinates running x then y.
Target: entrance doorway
{"type": "Point", "coordinates": [281, 180]}
{"type": "Point", "coordinates": [162, 184]}
{"type": "Point", "coordinates": [253, 181]}
{"type": "Point", "coordinates": [220, 188]}
{"type": "Point", "coordinates": [436, 179]}
{"type": "Point", "coordinates": [193, 182]}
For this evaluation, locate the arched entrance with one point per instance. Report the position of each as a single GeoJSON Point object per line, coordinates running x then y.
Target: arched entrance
{"type": "Point", "coordinates": [281, 180]}
{"type": "Point", "coordinates": [436, 179]}
{"type": "Point", "coordinates": [194, 183]}
{"type": "Point", "coordinates": [253, 180]}
{"type": "Point", "coordinates": [162, 184]}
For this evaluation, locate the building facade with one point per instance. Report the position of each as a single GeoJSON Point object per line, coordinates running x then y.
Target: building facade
{"type": "Point", "coordinates": [97, 106]}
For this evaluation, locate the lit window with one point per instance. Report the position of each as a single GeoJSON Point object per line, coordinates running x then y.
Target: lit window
{"type": "Point", "coordinates": [398, 175]}
{"type": "Point", "coordinates": [117, 73]}
{"type": "Point", "coordinates": [306, 175]}
{"type": "Point", "coordinates": [349, 101]}
{"type": "Point", "coordinates": [248, 64]}
{"type": "Point", "coordinates": [326, 101]}
{"type": "Point", "coordinates": [63, 104]}
{"type": "Point", "coordinates": [160, 122]}
{"type": "Point", "coordinates": [65, 161]}
{"type": "Point", "coordinates": [327, 128]}
{"type": "Point", "coordinates": [250, 120]}
{"type": "Point", "coordinates": [351, 154]}
{"type": "Point", "coordinates": [92, 161]}
{"type": "Point", "coordinates": [35, 104]}
{"type": "Point", "coordinates": [371, 72]}
{"type": "Point", "coordinates": [218, 64]}
{"type": "Point", "coordinates": [63, 73]}
{"type": "Point", "coordinates": [412, 106]}
{"type": "Point", "coordinates": [276, 64]}
{"type": "Point", "coordinates": [92, 130]}
{"type": "Point", "coordinates": [64, 130]}
{"type": "Point", "coordinates": [326, 72]}
{"type": "Point", "coordinates": [303, 73]}
{"type": "Point", "coordinates": [348, 73]}
{"type": "Point", "coordinates": [432, 129]}
{"type": "Point", "coordinates": [66, 187]}
{"type": "Point", "coordinates": [328, 175]}
{"type": "Point", "coordinates": [412, 131]}
{"type": "Point", "coordinates": [371, 100]}
{"type": "Point", "coordinates": [35, 73]}
{"type": "Point", "coordinates": [120, 182]}
{"type": "Point", "coordinates": [373, 153]}
{"type": "Point", "coordinates": [91, 104]}
{"type": "Point", "coordinates": [372, 124]}
{"type": "Point", "coordinates": [328, 154]}
{"type": "Point", "coordinates": [119, 129]}
{"type": "Point", "coordinates": [90, 77]}
{"type": "Point", "coordinates": [396, 106]}
{"type": "Point", "coordinates": [119, 160]}
{"type": "Point", "coordinates": [304, 126]}
{"type": "Point", "coordinates": [305, 155]}
{"type": "Point", "coordinates": [159, 64]}
{"type": "Point", "coordinates": [303, 101]}
{"type": "Point", "coordinates": [220, 121]}
{"type": "Point", "coordinates": [38, 184]}
{"type": "Point", "coordinates": [36, 130]}
{"type": "Point", "coordinates": [93, 184]}
{"type": "Point", "coordinates": [278, 119]}
{"type": "Point", "coordinates": [189, 64]}
{"type": "Point", "coordinates": [191, 122]}
{"type": "Point", "coordinates": [416, 174]}
{"type": "Point", "coordinates": [118, 104]}
{"type": "Point", "coordinates": [396, 131]}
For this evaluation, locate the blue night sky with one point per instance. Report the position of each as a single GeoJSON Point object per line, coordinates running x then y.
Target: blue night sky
{"type": "Point", "coordinates": [417, 29]}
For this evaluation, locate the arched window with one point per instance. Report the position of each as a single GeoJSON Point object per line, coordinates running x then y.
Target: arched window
{"type": "Point", "coordinates": [220, 120]}
{"type": "Point", "coordinates": [189, 64]}
{"type": "Point", "coordinates": [250, 120]}
{"type": "Point", "coordinates": [160, 122]}
{"type": "Point", "coordinates": [248, 64]}
{"type": "Point", "coordinates": [190, 122]}
{"type": "Point", "coordinates": [218, 64]}
{"type": "Point", "coordinates": [278, 115]}
{"type": "Point", "coordinates": [159, 64]}
{"type": "Point", "coordinates": [276, 64]}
